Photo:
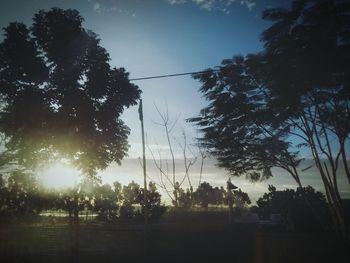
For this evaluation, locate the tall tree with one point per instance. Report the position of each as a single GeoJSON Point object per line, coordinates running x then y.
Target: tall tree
{"type": "Point", "coordinates": [292, 95]}
{"type": "Point", "coordinates": [309, 46]}
{"type": "Point", "coordinates": [59, 95]}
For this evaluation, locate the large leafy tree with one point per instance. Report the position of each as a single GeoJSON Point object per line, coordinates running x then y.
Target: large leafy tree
{"type": "Point", "coordinates": [294, 94]}
{"type": "Point", "coordinates": [307, 58]}
{"type": "Point", "coordinates": [236, 125]}
{"type": "Point", "coordinates": [59, 95]}
{"type": "Point", "coordinates": [290, 204]}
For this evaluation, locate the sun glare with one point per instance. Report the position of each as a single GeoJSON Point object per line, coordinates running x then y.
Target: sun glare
{"type": "Point", "coordinates": [59, 175]}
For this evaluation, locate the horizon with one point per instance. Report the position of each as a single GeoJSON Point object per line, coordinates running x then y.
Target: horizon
{"type": "Point", "coordinates": [131, 170]}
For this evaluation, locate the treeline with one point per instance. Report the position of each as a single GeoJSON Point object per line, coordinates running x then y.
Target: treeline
{"type": "Point", "coordinates": [206, 195]}
{"type": "Point", "coordinates": [22, 195]}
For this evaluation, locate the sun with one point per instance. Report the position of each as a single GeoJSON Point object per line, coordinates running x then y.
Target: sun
{"type": "Point", "coordinates": [59, 175]}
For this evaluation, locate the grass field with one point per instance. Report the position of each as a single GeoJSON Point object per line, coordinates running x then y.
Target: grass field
{"type": "Point", "coordinates": [193, 238]}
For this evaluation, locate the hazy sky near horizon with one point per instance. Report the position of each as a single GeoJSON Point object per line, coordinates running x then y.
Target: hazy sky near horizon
{"type": "Point", "coordinates": [130, 170]}
{"type": "Point", "coordinates": [155, 37]}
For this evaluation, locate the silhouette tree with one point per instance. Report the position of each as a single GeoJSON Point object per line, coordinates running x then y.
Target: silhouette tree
{"type": "Point", "coordinates": [60, 97]}
{"type": "Point", "coordinates": [185, 198]}
{"type": "Point", "coordinates": [239, 198]}
{"type": "Point", "coordinates": [206, 194]}
{"type": "Point", "coordinates": [105, 202]}
{"type": "Point", "coordinates": [313, 41]}
{"type": "Point", "coordinates": [71, 200]}
{"type": "Point", "coordinates": [133, 195]}
{"type": "Point", "coordinates": [233, 123]}
{"type": "Point", "coordinates": [290, 204]}
{"type": "Point", "coordinates": [294, 94]}
{"type": "Point", "coordinates": [154, 202]}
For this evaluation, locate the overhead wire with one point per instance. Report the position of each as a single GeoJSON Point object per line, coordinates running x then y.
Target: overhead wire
{"type": "Point", "coordinates": [173, 75]}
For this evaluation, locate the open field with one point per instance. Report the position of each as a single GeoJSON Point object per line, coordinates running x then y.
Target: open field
{"type": "Point", "coordinates": [185, 239]}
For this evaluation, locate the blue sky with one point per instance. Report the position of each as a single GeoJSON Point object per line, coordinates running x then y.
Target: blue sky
{"type": "Point", "coordinates": [153, 37]}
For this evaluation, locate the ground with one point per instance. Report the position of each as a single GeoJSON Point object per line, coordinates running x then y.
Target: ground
{"type": "Point", "coordinates": [183, 239]}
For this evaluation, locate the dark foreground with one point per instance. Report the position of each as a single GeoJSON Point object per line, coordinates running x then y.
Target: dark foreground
{"type": "Point", "coordinates": [193, 240]}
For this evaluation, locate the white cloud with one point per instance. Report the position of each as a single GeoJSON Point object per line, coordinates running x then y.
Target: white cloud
{"type": "Point", "coordinates": [230, 2]}
{"type": "Point", "coordinates": [249, 4]}
{"type": "Point", "coordinates": [103, 6]}
{"type": "Point", "coordinates": [97, 7]}
{"type": "Point", "coordinates": [205, 4]}
{"type": "Point", "coordinates": [221, 5]}
{"type": "Point", "coordinates": [176, 2]}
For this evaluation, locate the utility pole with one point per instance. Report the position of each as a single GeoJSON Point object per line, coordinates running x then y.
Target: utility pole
{"type": "Point", "coordinates": [230, 187]}
{"type": "Point", "coordinates": [144, 164]}
{"type": "Point", "coordinates": [229, 196]}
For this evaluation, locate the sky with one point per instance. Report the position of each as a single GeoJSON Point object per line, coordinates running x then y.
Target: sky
{"type": "Point", "coordinates": [155, 37]}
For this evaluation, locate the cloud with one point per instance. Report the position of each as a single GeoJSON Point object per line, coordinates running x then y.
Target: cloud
{"type": "Point", "coordinates": [120, 6]}
{"type": "Point", "coordinates": [205, 4]}
{"type": "Point", "coordinates": [249, 4]}
{"type": "Point", "coordinates": [220, 5]}
{"type": "Point", "coordinates": [97, 7]}
{"type": "Point", "coordinates": [176, 2]}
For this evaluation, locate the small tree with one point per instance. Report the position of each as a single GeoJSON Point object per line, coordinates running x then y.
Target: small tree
{"type": "Point", "coordinates": [155, 208]}
{"type": "Point", "coordinates": [72, 201]}
{"type": "Point", "coordinates": [131, 196]}
{"type": "Point", "coordinates": [239, 198]}
{"type": "Point", "coordinates": [185, 198]}
{"type": "Point", "coordinates": [105, 202]}
{"type": "Point", "coordinates": [290, 204]}
{"type": "Point", "coordinates": [205, 194]}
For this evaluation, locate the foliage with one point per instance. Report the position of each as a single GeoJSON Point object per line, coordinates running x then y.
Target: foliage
{"type": "Point", "coordinates": [291, 205]}
{"type": "Point", "coordinates": [206, 194]}
{"type": "Point", "coordinates": [131, 193]}
{"type": "Point", "coordinates": [239, 198]}
{"type": "Point", "coordinates": [70, 200]}
{"type": "Point", "coordinates": [155, 209]}
{"type": "Point", "coordinates": [185, 198]}
{"type": "Point", "coordinates": [127, 211]}
{"type": "Point", "coordinates": [265, 107]}
{"type": "Point", "coordinates": [20, 195]}
{"type": "Point", "coordinates": [105, 202]}
{"type": "Point", "coordinates": [235, 125]}
{"type": "Point", "coordinates": [59, 95]}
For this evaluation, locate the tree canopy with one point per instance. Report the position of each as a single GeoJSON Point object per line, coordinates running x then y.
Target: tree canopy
{"type": "Point", "coordinates": [290, 205]}
{"type": "Point", "coordinates": [294, 94]}
{"type": "Point", "coordinates": [60, 98]}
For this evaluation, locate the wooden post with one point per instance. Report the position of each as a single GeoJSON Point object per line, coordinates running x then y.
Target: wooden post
{"type": "Point", "coordinates": [229, 196]}
{"type": "Point", "coordinates": [144, 163]}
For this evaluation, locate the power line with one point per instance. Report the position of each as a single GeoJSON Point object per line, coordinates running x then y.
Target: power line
{"type": "Point", "coordinates": [174, 75]}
